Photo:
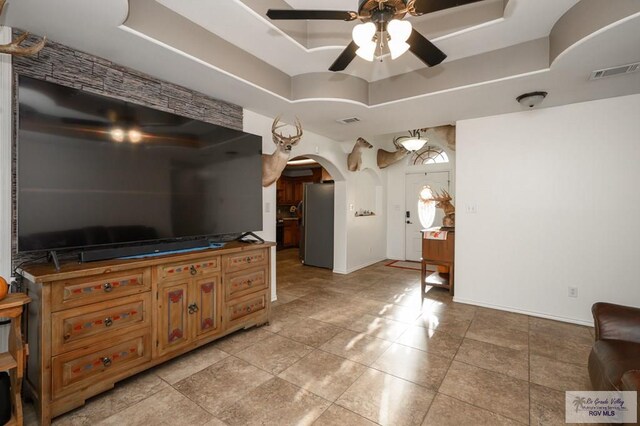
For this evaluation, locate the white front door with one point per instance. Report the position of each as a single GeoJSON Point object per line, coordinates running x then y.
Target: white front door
{"type": "Point", "coordinates": [413, 185]}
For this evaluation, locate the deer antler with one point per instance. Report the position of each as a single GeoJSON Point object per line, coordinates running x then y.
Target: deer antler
{"type": "Point", "coordinates": [279, 138]}
{"type": "Point", "coordinates": [14, 48]}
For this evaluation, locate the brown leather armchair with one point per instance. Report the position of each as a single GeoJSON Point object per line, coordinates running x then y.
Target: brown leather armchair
{"type": "Point", "coordinates": [615, 357]}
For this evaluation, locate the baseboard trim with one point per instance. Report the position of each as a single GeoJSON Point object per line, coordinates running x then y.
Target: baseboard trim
{"type": "Point", "coordinates": [523, 311]}
{"type": "Point", "coordinates": [364, 265]}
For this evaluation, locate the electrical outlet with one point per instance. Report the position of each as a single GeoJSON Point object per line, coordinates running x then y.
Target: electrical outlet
{"type": "Point", "coordinates": [267, 207]}
{"type": "Point", "coordinates": [573, 292]}
{"type": "Point", "coordinates": [317, 150]}
{"type": "Point", "coordinates": [471, 208]}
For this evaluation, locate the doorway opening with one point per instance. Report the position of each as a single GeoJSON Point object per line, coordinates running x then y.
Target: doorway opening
{"type": "Point", "coordinates": [429, 169]}
{"type": "Point", "coordinates": [305, 213]}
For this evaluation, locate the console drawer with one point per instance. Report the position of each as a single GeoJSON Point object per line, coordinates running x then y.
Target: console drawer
{"type": "Point", "coordinates": [74, 370]}
{"type": "Point", "coordinates": [247, 307]}
{"type": "Point", "coordinates": [92, 289]}
{"type": "Point", "coordinates": [188, 269]}
{"type": "Point", "coordinates": [243, 260]}
{"type": "Point", "coordinates": [93, 324]}
{"type": "Point", "coordinates": [240, 283]}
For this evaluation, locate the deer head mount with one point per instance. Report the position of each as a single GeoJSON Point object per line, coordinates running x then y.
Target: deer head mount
{"type": "Point", "coordinates": [274, 164]}
{"type": "Point", "coordinates": [387, 158]}
{"type": "Point", "coordinates": [354, 159]}
{"type": "Point", "coordinates": [443, 201]}
{"type": "Point", "coordinates": [14, 47]}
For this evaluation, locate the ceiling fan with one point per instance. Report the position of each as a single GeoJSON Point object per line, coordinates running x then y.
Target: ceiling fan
{"type": "Point", "coordinates": [383, 26]}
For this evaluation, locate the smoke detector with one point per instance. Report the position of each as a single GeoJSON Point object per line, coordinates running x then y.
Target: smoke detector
{"type": "Point", "coordinates": [350, 120]}
{"type": "Point", "coordinates": [531, 99]}
{"type": "Point", "coordinates": [610, 72]}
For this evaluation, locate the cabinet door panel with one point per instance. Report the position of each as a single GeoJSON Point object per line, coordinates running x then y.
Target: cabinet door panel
{"type": "Point", "coordinates": [173, 316]}
{"type": "Point", "coordinates": [206, 292]}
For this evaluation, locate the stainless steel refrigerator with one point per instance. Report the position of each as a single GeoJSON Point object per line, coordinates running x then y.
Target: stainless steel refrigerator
{"type": "Point", "coordinates": [316, 245]}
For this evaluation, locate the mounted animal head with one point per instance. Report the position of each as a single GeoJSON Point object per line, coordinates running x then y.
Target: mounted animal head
{"type": "Point", "coordinates": [442, 200]}
{"type": "Point", "coordinates": [387, 158]}
{"type": "Point", "coordinates": [285, 143]}
{"type": "Point", "coordinates": [14, 48]}
{"type": "Point", "coordinates": [354, 159]}
{"type": "Point", "coordinates": [274, 164]}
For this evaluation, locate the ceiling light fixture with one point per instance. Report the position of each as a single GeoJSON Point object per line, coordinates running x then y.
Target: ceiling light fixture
{"type": "Point", "coordinates": [363, 36]}
{"type": "Point", "coordinates": [399, 32]}
{"type": "Point", "coordinates": [531, 99]}
{"type": "Point", "coordinates": [413, 142]}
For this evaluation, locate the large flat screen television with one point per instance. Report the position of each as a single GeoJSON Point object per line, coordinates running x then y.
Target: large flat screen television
{"type": "Point", "coordinates": [98, 171]}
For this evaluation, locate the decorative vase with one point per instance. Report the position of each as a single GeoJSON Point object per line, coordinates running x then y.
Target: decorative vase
{"type": "Point", "coordinates": [4, 288]}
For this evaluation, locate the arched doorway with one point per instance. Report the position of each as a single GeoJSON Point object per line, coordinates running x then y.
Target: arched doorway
{"type": "Point", "coordinates": [310, 228]}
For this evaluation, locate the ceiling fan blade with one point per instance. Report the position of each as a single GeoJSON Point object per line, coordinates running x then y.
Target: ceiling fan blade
{"type": "Point", "coordinates": [345, 58]}
{"type": "Point", "coordinates": [430, 6]}
{"type": "Point", "coordinates": [334, 15]}
{"type": "Point", "coordinates": [426, 51]}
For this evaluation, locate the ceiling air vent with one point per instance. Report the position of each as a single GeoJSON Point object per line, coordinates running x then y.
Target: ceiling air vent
{"type": "Point", "coordinates": [609, 72]}
{"type": "Point", "coordinates": [348, 120]}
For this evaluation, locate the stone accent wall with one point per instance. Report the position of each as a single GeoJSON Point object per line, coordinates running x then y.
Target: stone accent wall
{"type": "Point", "coordinates": [63, 65]}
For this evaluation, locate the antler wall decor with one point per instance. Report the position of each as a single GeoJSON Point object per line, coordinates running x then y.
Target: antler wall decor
{"type": "Point", "coordinates": [354, 159]}
{"type": "Point", "coordinates": [443, 201]}
{"type": "Point", "coordinates": [14, 47]}
{"type": "Point", "coordinates": [274, 164]}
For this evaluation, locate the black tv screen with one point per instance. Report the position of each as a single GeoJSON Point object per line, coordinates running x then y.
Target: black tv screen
{"type": "Point", "coordinates": [94, 170]}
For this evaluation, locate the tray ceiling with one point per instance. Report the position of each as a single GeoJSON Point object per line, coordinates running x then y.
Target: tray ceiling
{"type": "Point", "coordinates": [229, 49]}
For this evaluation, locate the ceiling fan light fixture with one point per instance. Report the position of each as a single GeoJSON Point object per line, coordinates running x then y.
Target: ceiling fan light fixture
{"type": "Point", "coordinates": [363, 34]}
{"type": "Point", "coordinates": [367, 52]}
{"type": "Point", "coordinates": [397, 48]}
{"type": "Point", "coordinates": [399, 30]}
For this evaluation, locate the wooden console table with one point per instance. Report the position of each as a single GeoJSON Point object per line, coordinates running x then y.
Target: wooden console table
{"type": "Point", "coordinates": [441, 253]}
{"type": "Point", "coordinates": [91, 325]}
{"type": "Point", "coordinates": [14, 360]}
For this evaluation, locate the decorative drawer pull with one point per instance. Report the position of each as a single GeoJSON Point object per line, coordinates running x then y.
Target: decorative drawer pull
{"type": "Point", "coordinates": [67, 336]}
{"type": "Point", "coordinates": [248, 259]}
{"type": "Point", "coordinates": [249, 282]}
{"type": "Point", "coordinates": [248, 308]}
{"type": "Point", "coordinates": [106, 361]}
{"type": "Point", "coordinates": [193, 308]}
{"type": "Point", "coordinates": [193, 270]}
{"type": "Point", "coordinates": [108, 322]}
{"type": "Point", "coordinates": [107, 287]}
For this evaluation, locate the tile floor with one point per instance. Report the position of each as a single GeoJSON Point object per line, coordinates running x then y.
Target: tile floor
{"type": "Point", "coordinates": [361, 349]}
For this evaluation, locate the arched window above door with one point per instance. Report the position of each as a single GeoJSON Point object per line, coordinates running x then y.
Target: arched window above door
{"type": "Point", "coordinates": [429, 154]}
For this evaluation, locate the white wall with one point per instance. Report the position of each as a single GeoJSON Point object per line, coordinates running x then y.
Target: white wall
{"type": "Point", "coordinates": [349, 255]}
{"type": "Point", "coordinates": [558, 200]}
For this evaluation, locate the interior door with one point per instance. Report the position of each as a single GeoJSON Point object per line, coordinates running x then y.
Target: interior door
{"type": "Point", "coordinates": [413, 185]}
